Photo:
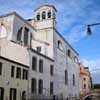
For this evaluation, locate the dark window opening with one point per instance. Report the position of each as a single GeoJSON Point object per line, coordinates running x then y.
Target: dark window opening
{"type": "Point", "coordinates": [84, 86]}
{"type": "Point", "coordinates": [49, 14]}
{"type": "Point", "coordinates": [19, 34]}
{"type": "Point", "coordinates": [26, 36]}
{"type": "Point", "coordinates": [0, 68]}
{"type": "Point", "coordinates": [69, 53]}
{"type": "Point", "coordinates": [1, 93]}
{"type": "Point", "coordinates": [40, 86]}
{"type": "Point", "coordinates": [25, 74]}
{"type": "Point", "coordinates": [44, 15]}
{"type": "Point", "coordinates": [59, 42]}
{"type": "Point", "coordinates": [33, 86]}
{"type": "Point", "coordinates": [30, 40]}
{"type": "Point", "coordinates": [23, 95]}
{"type": "Point", "coordinates": [60, 45]}
{"type": "Point", "coordinates": [34, 63]}
{"type": "Point", "coordinates": [41, 66]}
{"type": "Point", "coordinates": [39, 49]}
{"type": "Point", "coordinates": [51, 88]}
{"type": "Point", "coordinates": [73, 80]}
{"type": "Point", "coordinates": [38, 17]}
{"type": "Point", "coordinates": [13, 94]}
{"type": "Point", "coordinates": [66, 77]}
{"type": "Point", "coordinates": [51, 70]}
{"type": "Point", "coordinates": [12, 71]}
{"type": "Point", "coordinates": [18, 73]}
{"type": "Point", "coordinates": [84, 79]}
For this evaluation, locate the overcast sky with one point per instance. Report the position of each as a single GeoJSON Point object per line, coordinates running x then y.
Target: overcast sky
{"type": "Point", "coordinates": [72, 19]}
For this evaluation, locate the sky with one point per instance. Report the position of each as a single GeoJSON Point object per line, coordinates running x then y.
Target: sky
{"type": "Point", "coordinates": [73, 16]}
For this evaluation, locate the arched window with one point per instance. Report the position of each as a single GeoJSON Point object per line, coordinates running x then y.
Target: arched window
{"type": "Point", "coordinates": [66, 77]}
{"type": "Point", "coordinates": [23, 95]}
{"type": "Point", "coordinates": [60, 45]}
{"type": "Point", "coordinates": [43, 15]}
{"type": "Point", "coordinates": [75, 59]}
{"type": "Point", "coordinates": [84, 86]}
{"type": "Point", "coordinates": [49, 14]}
{"type": "Point", "coordinates": [38, 16]}
{"type": "Point", "coordinates": [69, 53]}
{"type": "Point", "coordinates": [26, 36]}
{"type": "Point", "coordinates": [73, 80]}
{"type": "Point", "coordinates": [19, 34]}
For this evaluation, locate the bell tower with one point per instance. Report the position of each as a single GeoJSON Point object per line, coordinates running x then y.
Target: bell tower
{"type": "Point", "coordinates": [45, 17]}
{"type": "Point", "coordinates": [45, 23]}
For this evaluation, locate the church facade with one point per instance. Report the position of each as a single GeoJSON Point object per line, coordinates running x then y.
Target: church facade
{"type": "Point", "coordinates": [52, 64]}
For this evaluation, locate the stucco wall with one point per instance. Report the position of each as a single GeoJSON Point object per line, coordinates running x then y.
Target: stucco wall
{"type": "Point", "coordinates": [62, 63]}
{"type": "Point", "coordinates": [45, 76]}
{"type": "Point", "coordinates": [7, 82]}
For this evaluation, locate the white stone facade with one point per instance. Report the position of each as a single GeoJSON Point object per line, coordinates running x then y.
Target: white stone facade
{"type": "Point", "coordinates": [54, 50]}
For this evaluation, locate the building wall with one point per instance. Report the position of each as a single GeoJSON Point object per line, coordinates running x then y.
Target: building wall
{"type": "Point", "coordinates": [14, 51]}
{"type": "Point", "coordinates": [64, 62]}
{"type": "Point", "coordinates": [7, 24]}
{"type": "Point", "coordinates": [45, 75]}
{"type": "Point", "coordinates": [61, 60]}
{"type": "Point", "coordinates": [85, 81]}
{"type": "Point", "coordinates": [7, 82]}
{"type": "Point", "coordinates": [45, 35]}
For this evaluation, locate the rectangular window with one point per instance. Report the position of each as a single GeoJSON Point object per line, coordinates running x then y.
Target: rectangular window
{"type": "Point", "coordinates": [41, 66]}
{"type": "Point", "coordinates": [18, 73]}
{"type": "Point", "coordinates": [13, 93]}
{"type": "Point", "coordinates": [51, 70]}
{"type": "Point", "coordinates": [25, 74]}
{"type": "Point", "coordinates": [33, 86]}
{"type": "Point", "coordinates": [51, 88]}
{"type": "Point", "coordinates": [1, 93]}
{"type": "Point", "coordinates": [34, 63]}
{"type": "Point", "coordinates": [0, 68]}
{"type": "Point", "coordinates": [73, 80]}
{"type": "Point", "coordinates": [40, 86]}
{"type": "Point", "coordinates": [12, 71]}
{"type": "Point", "coordinates": [66, 77]}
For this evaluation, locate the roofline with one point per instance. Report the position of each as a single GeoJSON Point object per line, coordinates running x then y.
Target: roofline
{"type": "Point", "coordinates": [8, 14]}
{"type": "Point", "coordinates": [67, 42]}
{"type": "Point", "coordinates": [46, 5]}
{"type": "Point", "coordinates": [14, 61]}
{"type": "Point", "coordinates": [16, 14]}
{"type": "Point", "coordinates": [40, 54]}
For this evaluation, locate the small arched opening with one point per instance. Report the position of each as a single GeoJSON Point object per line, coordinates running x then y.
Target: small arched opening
{"type": "Point", "coordinates": [49, 14]}
{"type": "Point", "coordinates": [19, 34]}
{"type": "Point", "coordinates": [69, 53]}
{"type": "Point", "coordinates": [43, 15]}
{"type": "Point", "coordinates": [23, 95]}
{"type": "Point", "coordinates": [38, 16]}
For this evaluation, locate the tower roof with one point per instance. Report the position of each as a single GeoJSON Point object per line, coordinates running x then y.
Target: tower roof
{"type": "Point", "coordinates": [47, 6]}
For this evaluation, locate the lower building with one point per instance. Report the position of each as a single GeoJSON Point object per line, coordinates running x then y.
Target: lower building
{"type": "Point", "coordinates": [13, 80]}
{"type": "Point", "coordinates": [35, 79]}
{"type": "Point", "coordinates": [41, 77]}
